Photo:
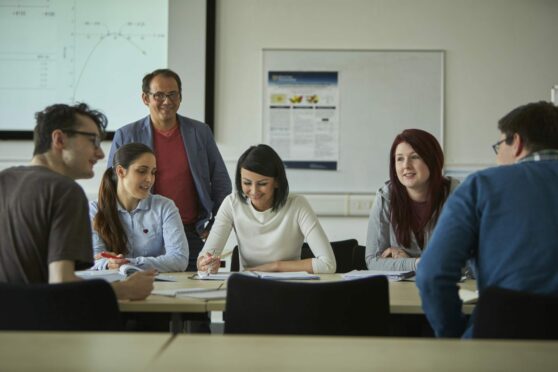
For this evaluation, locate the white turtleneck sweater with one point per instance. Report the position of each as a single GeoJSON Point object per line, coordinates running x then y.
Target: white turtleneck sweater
{"type": "Point", "coordinates": [267, 236]}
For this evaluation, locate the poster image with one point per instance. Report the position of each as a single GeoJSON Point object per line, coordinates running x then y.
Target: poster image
{"type": "Point", "coordinates": [301, 118]}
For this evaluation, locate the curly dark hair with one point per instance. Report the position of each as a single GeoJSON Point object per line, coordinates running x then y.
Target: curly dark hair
{"type": "Point", "coordinates": [63, 117]}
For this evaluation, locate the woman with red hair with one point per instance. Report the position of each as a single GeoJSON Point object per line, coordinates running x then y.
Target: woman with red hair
{"type": "Point", "coordinates": [407, 207]}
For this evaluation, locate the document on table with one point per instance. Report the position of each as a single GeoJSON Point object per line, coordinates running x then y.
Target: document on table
{"type": "Point", "coordinates": [296, 275]}
{"type": "Point", "coordinates": [215, 294]}
{"type": "Point", "coordinates": [108, 275]}
{"type": "Point", "coordinates": [206, 276]}
{"type": "Point", "coordinates": [201, 293]}
{"type": "Point", "coordinates": [119, 274]}
{"type": "Point", "coordinates": [391, 275]}
{"type": "Point", "coordinates": [468, 296]}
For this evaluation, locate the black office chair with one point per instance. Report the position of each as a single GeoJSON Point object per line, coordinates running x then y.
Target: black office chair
{"type": "Point", "coordinates": [342, 250]}
{"type": "Point", "coordinates": [235, 260]}
{"type": "Point", "coordinates": [359, 261]}
{"type": "Point", "coordinates": [88, 305]}
{"type": "Point", "coordinates": [504, 313]}
{"type": "Point", "coordinates": [350, 308]}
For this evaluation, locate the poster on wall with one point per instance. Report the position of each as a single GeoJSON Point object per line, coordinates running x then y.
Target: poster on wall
{"type": "Point", "coordinates": [301, 118]}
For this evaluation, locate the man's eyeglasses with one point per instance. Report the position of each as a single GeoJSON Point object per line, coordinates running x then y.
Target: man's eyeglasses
{"type": "Point", "coordinates": [95, 136]}
{"type": "Point", "coordinates": [160, 96]}
{"type": "Point", "coordinates": [496, 146]}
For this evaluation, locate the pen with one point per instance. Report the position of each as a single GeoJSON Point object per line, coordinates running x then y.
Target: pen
{"type": "Point", "coordinates": [226, 254]}
{"type": "Point", "coordinates": [110, 255]}
{"type": "Point", "coordinates": [211, 258]}
{"type": "Point", "coordinates": [223, 255]}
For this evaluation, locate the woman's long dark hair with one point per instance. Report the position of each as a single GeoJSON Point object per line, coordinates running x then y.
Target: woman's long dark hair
{"type": "Point", "coordinates": [262, 159]}
{"type": "Point", "coordinates": [107, 222]}
{"type": "Point", "coordinates": [428, 148]}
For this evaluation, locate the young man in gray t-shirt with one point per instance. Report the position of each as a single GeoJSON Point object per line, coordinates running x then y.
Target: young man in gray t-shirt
{"type": "Point", "coordinates": [44, 221]}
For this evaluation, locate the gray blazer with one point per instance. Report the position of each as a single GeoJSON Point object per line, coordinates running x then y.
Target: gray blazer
{"type": "Point", "coordinates": [381, 235]}
{"type": "Point", "coordinates": [211, 178]}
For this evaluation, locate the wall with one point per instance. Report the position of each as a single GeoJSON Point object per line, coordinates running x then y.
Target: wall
{"type": "Point", "coordinates": [499, 54]}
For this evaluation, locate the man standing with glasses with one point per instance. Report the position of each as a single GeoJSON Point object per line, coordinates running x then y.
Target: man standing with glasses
{"type": "Point", "coordinates": [190, 169]}
{"type": "Point", "coordinates": [503, 218]}
{"type": "Point", "coordinates": [44, 216]}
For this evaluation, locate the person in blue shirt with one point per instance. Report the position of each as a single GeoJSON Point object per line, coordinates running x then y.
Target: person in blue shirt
{"type": "Point", "coordinates": [503, 218]}
{"type": "Point", "coordinates": [129, 222]}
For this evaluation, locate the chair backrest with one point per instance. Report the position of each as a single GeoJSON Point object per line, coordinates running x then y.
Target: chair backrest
{"type": "Point", "coordinates": [88, 305]}
{"type": "Point", "coordinates": [350, 307]}
{"type": "Point", "coordinates": [359, 262]}
{"type": "Point", "coordinates": [504, 313]}
{"type": "Point", "coordinates": [235, 259]}
{"type": "Point", "coordinates": [342, 250]}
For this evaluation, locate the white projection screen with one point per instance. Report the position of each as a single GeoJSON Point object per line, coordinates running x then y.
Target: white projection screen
{"type": "Point", "coordinates": [67, 51]}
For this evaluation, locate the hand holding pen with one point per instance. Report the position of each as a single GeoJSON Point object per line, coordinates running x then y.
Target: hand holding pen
{"type": "Point", "coordinates": [209, 263]}
{"type": "Point", "coordinates": [114, 261]}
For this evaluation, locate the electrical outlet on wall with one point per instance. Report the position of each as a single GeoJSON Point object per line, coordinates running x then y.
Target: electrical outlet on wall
{"type": "Point", "coordinates": [359, 205]}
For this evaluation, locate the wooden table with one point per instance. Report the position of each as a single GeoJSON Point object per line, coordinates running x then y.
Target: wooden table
{"type": "Point", "coordinates": [79, 351]}
{"type": "Point", "coordinates": [162, 304]}
{"type": "Point", "coordinates": [291, 353]}
{"type": "Point", "coordinates": [404, 297]}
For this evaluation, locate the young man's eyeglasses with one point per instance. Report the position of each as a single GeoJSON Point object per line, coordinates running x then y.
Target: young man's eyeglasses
{"type": "Point", "coordinates": [496, 146]}
{"type": "Point", "coordinates": [161, 96]}
{"type": "Point", "coordinates": [95, 136]}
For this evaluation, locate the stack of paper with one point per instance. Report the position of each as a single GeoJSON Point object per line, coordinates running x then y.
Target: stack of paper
{"type": "Point", "coordinates": [207, 276]}
{"type": "Point", "coordinates": [468, 296]}
{"type": "Point", "coordinates": [201, 293]}
{"type": "Point", "coordinates": [108, 275]}
{"type": "Point", "coordinates": [391, 275]}
{"type": "Point", "coordinates": [296, 275]}
{"type": "Point", "coordinates": [119, 274]}
{"type": "Point", "coordinates": [214, 294]}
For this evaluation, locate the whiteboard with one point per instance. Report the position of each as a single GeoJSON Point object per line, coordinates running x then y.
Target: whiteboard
{"type": "Point", "coordinates": [96, 52]}
{"type": "Point", "coordinates": [381, 93]}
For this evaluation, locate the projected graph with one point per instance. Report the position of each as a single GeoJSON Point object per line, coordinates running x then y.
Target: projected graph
{"type": "Point", "coordinates": [78, 50]}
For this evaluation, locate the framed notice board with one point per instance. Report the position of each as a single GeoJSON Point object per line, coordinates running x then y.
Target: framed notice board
{"type": "Point", "coordinates": [380, 93]}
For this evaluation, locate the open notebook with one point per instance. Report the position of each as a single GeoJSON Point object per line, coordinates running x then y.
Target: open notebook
{"type": "Point", "coordinates": [122, 273]}
{"type": "Point", "coordinates": [296, 275]}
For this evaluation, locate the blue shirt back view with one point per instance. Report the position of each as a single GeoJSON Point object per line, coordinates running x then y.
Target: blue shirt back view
{"type": "Point", "coordinates": [506, 219]}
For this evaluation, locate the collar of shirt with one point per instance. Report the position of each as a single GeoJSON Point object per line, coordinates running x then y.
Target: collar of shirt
{"type": "Point", "coordinates": [549, 154]}
{"type": "Point", "coordinates": [143, 205]}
